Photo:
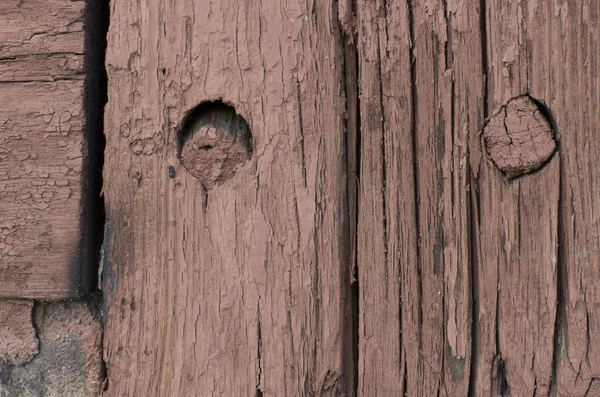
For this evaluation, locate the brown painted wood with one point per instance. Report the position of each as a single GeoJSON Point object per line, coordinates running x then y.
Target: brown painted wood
{"type": "Point", "coordinates": [386, 201]}
{"type": "Point", "coordinates": [563, 45]}
{"type": "Point", "coordinates": [41, 148]}
{"type": "Point", "coordinates": [388, 234]}
{"type": "Point", "coordinates": [421, 158]}
{"type": "Point", "coordinates": [238, 288]}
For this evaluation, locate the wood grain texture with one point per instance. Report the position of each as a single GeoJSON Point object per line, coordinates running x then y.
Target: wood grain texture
{"type": "Point", "coordinates": [563, 47]}
{"type": "Point", "coordinates": [368, 152]}
{"type": "Point", "coordinates": [238, 289]}
{"type": "Point", "coordinates": [388, 338]}
{"type": "Point", "coordinates": [41, 148]}
{"type": "Point", "coordinates": [421, 111]}
{"type": "Point", "coordinates": [40, 172]}
{"type": "Point", "coordinates": [535, 49]}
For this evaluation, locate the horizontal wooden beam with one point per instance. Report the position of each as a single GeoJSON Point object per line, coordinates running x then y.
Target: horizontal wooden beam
{"type": "Point", "coordinates": [43, 152]}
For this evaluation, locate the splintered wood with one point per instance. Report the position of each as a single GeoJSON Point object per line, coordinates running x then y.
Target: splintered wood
{"type": "Point", "coordinates": [41, 153]}
{"type": "Point", "coordinates": [229, 286]}
{"type": "Point", "coordinates": [417, 214]}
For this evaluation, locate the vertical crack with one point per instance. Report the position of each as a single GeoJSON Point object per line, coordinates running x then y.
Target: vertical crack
{"type": "Point", "coordinates": [414, 100]}
{"type": "Point", "coordinates": [484, 55]}
{"type": "Point", "coordinates": [474, 282]}
{"type": "Point", "coordinates": [560, 323]}
{"type": "Point", "coordinates": [96, 21]}
{"type": "Point", "coordinates": [259, 392]}
{"type": "Point", "coordinates": [301, 125]}
{"type": "Point", "coordinates": [95, 96]}
{"type": "Point", "coordinates": [474, 217]}
{"type": "Point", "coordinates": [383, 158]}
{"type": "Point", "coordinates": [350, 272]}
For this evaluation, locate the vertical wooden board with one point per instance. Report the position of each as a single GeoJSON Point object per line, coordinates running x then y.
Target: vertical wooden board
{"type": "Point", "coordinates": [388, 334]}
{"type": "Point", "coordinates": [432, 104]}
{"type": "Point", "coordinates": [517, 281]}
{"type": "Point", "coordinates": [563, 45]}
{"type": "Point", "coordinates": [416, 134]}
{"type": "Point", "coordinates": [519, 231]}
{"type": "Point", "coordinates": [464, 61]}
{"type": "Point", "coordinates": [234, 290]}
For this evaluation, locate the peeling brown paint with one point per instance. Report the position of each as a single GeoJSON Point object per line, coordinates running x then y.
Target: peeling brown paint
{"type": "Point", "coordinates": [519, 138]}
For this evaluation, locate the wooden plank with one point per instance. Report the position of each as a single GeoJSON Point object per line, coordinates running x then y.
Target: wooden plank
{"type": "Point", "coordinates": [563, 45]}
{"type": "Point", "coordinates": [41, 27]}
{"type": "Point", "coordinates": [40, 191]}
{"type": "Point", "coordinates": [234, 289]}
{"type": "Point", "coordinates": [41, 149]}
{"type": "Point", "coordinates": [417, 133]}
{"type": "Point", "coordinates": [388, 337]}
{"type": "Point", "coordinates": [517, 221]}
{"type": "Point", "coordinates": [41, 68]}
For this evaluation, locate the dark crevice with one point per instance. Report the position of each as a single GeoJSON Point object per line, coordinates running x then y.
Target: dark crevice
{"type": "Point", "coordinates": [92, 226]}
{"type": "Point", "coordinates": [499, 368]}
{"type": "Point", "coordinates": [560, 323]}
{"type": "Point", "coordinates": [92, 217]}
{"type": "Point", "coordinates": [448, 45]}
{"type": "Point", "coordinates": [355, 146]}
{"type": "Point", "coordinates": [259, 392]}
{"type": "Point", "coordinates": [383, 164]}
{"type": "Point", "coordinates": [414, 101]}
{"type": "Point", "coordinates": [301, 126]}
{"type": "Point", "coordinates": [473, 222]}
{"type": "Point", "coordinates": [503, 388]}
{"type": "Point", "coordinates": [405, 380]}
{"type": "Point", "coordinates": [484, 56]}
{"type": "Point", "coordinates": [350, 272]}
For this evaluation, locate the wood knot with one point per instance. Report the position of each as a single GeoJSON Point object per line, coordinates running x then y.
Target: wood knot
{"type": "Point", "coordinates": [214, 141]}
{"type": "Point", "coordinates": [519, 138]}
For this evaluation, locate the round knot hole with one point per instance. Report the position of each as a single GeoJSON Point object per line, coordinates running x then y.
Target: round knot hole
{"type": "Point", "coordinates": [214, 141]}
{"type": "Point", "coordinates": [519, 138]}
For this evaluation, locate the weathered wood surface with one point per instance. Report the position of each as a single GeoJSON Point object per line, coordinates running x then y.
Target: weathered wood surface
{"type": "Point", "coordinates": [415, 192]}
{"type": "Point", "coordinates": [41, 148]}
{"type": "Point", "coordinates": [239, 289]}
{"type": "Point", "coordinates": [561, 42]}
{"type": "Point", "coordinates": [371, 244]}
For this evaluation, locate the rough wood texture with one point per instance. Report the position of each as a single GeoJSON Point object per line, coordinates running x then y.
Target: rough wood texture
{"type": "Point", "coordinates": [386, 198]}
{"type": "Point", "coordinates": [429, 108]}
{"type": "Point", "coordinates": [373, 244]}
{"type": "Point", "coordinates": [563, 72]}
{"type": "Point", "coordinates": [238, 290]}
{"type": "Point", "coordinates": [41, 149]}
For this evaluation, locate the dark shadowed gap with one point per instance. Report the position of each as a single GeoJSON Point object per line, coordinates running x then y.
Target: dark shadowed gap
{"type": "Point", "coordinates": [95, 96]}
{"type": "Point", "coordinates": [474, 220]}
{"type": "Point", "coordinates": [354, 172]}
{"type": "Point", "coordinates": [484, 55]}
{"type": "Point", "coordinates": [414, 102]}
{"type": "Point", "coordinates": [560, 322]}
{"type": "Point", "coordinates": [349, 266]}
{"type": "Point", "coordinates": [96, 21]}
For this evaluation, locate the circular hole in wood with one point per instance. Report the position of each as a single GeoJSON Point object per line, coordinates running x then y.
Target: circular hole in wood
{"type": "Point", "coordinates": [214, 141]}
{"type": "Point", "coordinates": [520, 138]}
